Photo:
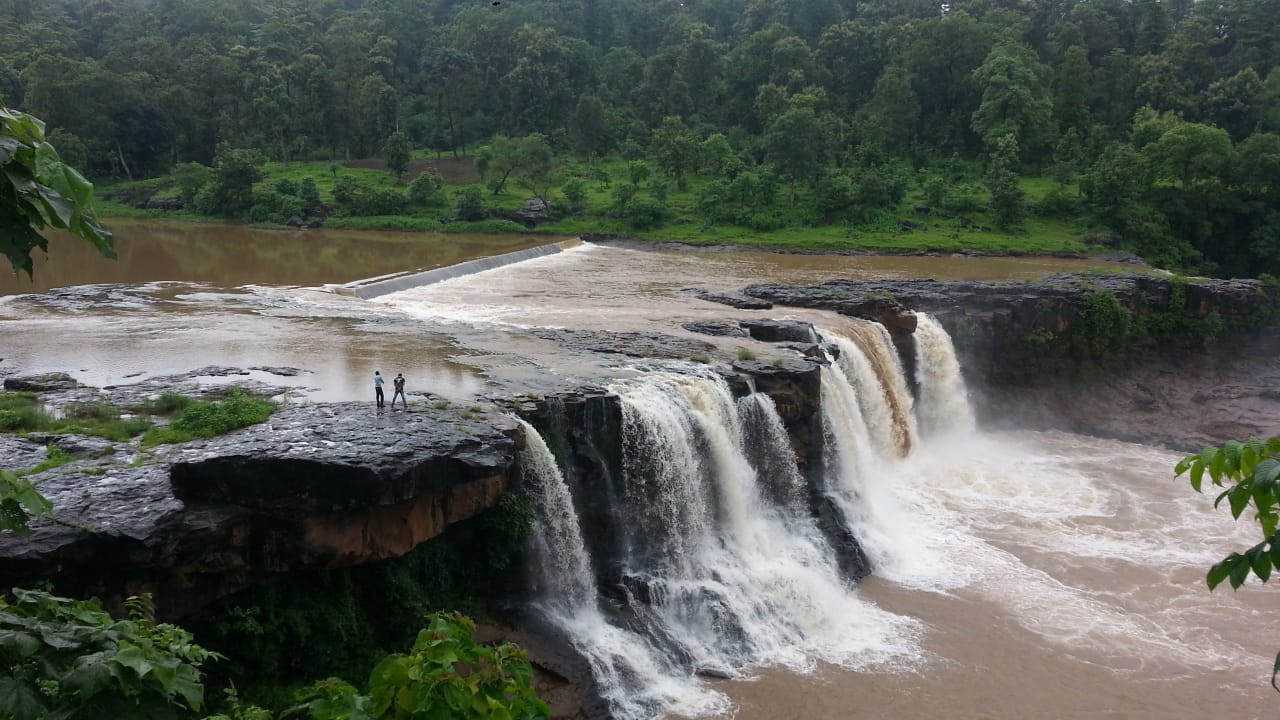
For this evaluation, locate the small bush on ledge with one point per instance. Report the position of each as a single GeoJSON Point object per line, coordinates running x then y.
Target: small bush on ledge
{"type": "Point", "coordinates": [205, 418]}
{"type": "Point", "coordinates": [22, 412]}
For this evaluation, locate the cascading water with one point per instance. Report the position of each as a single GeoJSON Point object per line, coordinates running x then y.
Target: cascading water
{"type": "Point", "coordinates": [870, 364]}
{"type": "Point", "coordinates": [566, 580]}
{"type": "Point", "coordinates": [721, 569]}
{"type": "Point", "coordinates": [769, 451]}
{"type": "Point", "coordinates": [630, 674]}
{"type": "Point", "coordinates": [858, 478]}
{"type": "Point", "coordinates": [756, 583]}
{"type": "Point", "coordinates": [943, 407]}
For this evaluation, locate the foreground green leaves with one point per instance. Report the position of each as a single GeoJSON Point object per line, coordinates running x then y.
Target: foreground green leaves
{"type": "Point", "coordinates": [1248, 471]}
{"type": "Point", "coordinates": [19, 502]}
{"type": "Point", "coordinates": [70, 659]}
{"type": "Point", "coordinates": [37, 190]}
{"type": "Point", "coordinates": [446, 676]}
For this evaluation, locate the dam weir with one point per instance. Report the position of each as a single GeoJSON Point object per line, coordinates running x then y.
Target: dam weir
{"type": "Point", "coordinates": [712, 560]}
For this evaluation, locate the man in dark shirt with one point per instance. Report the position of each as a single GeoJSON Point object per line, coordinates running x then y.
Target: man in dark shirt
{"type": "Point", "coordinates": [399, 383]}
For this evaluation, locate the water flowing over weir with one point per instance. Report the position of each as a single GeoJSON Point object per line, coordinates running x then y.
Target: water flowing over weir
{"type": "Point", "coordinates": [944, 402]}
{"type": "Point", "coordinates": [721, 563]}
{"type": "Point", "coordinates": [872, 366]}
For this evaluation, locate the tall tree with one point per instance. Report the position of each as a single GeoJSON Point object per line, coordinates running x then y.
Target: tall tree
{"type": "Point", "coordinates": [1015, 100]}
{"type": "Point", "coordinates": [396, 153]}
{"type": "Point", "coordinates": [1190, 152]}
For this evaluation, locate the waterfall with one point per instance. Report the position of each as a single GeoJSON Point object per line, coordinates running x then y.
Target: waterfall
{"type": "Point", "coordinates": [566, 579]}
{"type": "Point", "coordinates": [943, 407]}
{"type": "Point", "coordinates": [769, 451]}
{"type": "Point", "coordinates": [630, 673]}
{"type": "Point", "coordinates": [722, 566]}
{"type": "Point", "coordinates": [871, 364]}
{"type": "Point", "coordinates": [858, 479]}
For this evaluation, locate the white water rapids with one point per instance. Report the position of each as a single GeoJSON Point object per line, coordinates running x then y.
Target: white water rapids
{"type": "Point", "coordinates": [731, 574]}
{"type": "Point", "coordinates": [1021, 575]}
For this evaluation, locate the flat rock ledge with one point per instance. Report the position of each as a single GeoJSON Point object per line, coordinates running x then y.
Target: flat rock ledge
{"type": "Point", "coordinates": [316, 486]}
{"type": "Point", "coordinates": [1197, 364]}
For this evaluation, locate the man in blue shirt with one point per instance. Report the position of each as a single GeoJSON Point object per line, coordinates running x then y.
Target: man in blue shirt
{"type": "Point", "coordinates": [377, 387]}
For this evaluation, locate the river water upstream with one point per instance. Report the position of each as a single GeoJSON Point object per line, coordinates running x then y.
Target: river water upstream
{"type": "Point", "coordinates": [1036, 575]}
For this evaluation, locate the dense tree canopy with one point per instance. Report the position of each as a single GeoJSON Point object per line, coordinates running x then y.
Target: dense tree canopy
{"type": "Point", "coordinates": [797, 88]}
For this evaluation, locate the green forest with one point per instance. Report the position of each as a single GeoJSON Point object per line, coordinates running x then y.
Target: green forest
{"type": "Point", "coordinates": [990, 125]}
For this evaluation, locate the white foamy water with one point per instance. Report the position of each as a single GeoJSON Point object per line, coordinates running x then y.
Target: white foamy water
{"type": "Point", "coordinates": [1087, 542]}
{"type": "Point", "coordinates": [890, 431]}
{"type": "Point", "coordinates": [943, 406]}
{"type": "Point", "coordinates": [1025, 575]}
{"type": "Point", "coordinates": [631, 674]}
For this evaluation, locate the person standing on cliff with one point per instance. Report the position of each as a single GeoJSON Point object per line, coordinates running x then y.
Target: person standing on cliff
{"type": "Point", "coordinates": [377, 388]}
{"type": "Point", "coordinates": [399, 383]}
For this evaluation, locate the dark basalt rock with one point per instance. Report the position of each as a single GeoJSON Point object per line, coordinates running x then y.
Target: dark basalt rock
{"type": "Point", "coordinates": [323, 458]}
{"type": "Point", "coordinates": [716, 329]}
{"type": "Point", "coordinates": [319, 486]}
{"type": "Point", "coordinates": [631, 344]}
{"type": "Point", "coordinates": [735, 300]}
{"type": "Point", "coordinates": [780, 330]}
{"type": "Point", "coordinates": [41, 383]}
{"type": "Point", "coordinates": [1033, 358]}
{"type": "Point", "coordinates": [990, 322]}
{"type": "Point", "coordinates": [20, 454]}
{"type": "Point", "coordinates": [82, 446]}
{"type": "Point", "coordinates": [534, 211]}
{"type": "Point", "coordinates": [281, 371]}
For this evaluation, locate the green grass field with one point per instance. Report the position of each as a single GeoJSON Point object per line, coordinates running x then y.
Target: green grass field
{"type": "Point", "coordinates": [1039, 235]}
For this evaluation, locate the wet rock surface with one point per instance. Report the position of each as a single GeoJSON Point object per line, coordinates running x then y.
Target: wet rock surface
{"type": "Point", "coordinates": [780, 330]}
{"type": "Point", "coordinates": [314, 487]}
{"type": "Point", "coordinates": [734, 300]}
{"type": "Point", "coordinates": [1188, 366]}
{"type": "Point", "coordinates": [715, 329]}
{"type": "Point", "coordinates": [20, 454]}
{"type": "Point", "coordinates": [40, 383]}
{"type": "Point", "coordinates": [1184, 403]}
{"type": "Point", "coordinates": [81, 446]}
{"type": "Point", "coordinates": [630, 344]}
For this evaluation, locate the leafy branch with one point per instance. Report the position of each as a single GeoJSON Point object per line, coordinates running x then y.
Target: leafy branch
{"type": "Point", "coordinates": [38, 190]}
{"type": "Point", "coordinates": [1248, 471]}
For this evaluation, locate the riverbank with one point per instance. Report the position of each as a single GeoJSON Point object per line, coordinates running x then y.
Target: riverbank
{"type": "Point", "coordinates": [680, 212]}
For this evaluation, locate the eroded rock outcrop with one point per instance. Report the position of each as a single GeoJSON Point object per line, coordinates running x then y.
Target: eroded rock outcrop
{"type": "Point", "coordinates": [1141, 357]}
{"type": "Point", "coordinates": [319, 486]}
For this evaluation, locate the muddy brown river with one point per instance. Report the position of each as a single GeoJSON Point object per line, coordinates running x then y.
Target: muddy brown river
{"type": "Point", "coordinates": [1042, 575]}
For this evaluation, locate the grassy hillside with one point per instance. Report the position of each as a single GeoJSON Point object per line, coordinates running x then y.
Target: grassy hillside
{"type": "Point", "coordinates": [902, 228]}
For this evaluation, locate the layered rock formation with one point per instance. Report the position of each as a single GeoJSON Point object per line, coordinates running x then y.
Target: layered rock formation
{"type": "Point", "coordinates": [1141, 357]}
{"type": "Point", "coordinates": [319, 486]}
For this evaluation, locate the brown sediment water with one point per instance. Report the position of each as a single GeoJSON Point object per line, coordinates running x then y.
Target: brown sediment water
{"type": "Point", "coordinates": [184, 295]}
{"type": "Point", "coordinates": [233, 255]}
{"type": "Point", "coordinates": [1065, 580]}
{"type": "Point", "coordinates": [1045, 575]}
{"type": "Point", "coordinates": [877, 346]}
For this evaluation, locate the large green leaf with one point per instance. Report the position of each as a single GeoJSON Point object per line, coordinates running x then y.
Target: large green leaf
{"type": "Point", "coordinates": [18, 645]}
{"type": "Point", "coordinates": [1239, 497]}
{"type": "Point", "coordinates": [1267, 472]}
{"type": "Point", "coordinates": [1239, 572]}
{"type": "Point", "coordinates": [1220, 571]}
{"type": "Point", "coordinates": [132, 657]}
{"type": "Point", "coordinates": [20, 700]}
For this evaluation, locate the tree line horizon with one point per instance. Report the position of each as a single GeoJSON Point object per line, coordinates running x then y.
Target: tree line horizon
{"type": "Point", "coordinates": [1158, 120]}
